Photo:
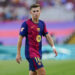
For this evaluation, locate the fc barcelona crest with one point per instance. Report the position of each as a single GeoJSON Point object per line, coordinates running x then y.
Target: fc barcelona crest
{"type": "Point", "coordinates": [38, 29]}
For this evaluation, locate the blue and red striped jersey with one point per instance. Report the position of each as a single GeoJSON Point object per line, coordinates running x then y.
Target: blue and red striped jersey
{"type": "Point", "coordinates": [33, 33]}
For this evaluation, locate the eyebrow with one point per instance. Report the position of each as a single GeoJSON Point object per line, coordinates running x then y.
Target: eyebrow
{"type": "Point", "coordinates": [35, 10]}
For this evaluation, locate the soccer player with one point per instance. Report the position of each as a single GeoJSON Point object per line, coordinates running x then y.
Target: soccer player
{"type": "Point", "coordinates": [33, 29]}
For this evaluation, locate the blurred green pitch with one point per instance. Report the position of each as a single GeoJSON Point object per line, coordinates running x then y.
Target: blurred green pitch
{"type": "Point", "coordinates": [53, 67]}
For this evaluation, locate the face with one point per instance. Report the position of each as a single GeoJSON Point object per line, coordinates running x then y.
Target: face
{"type": "Point", "coordinates": [35, 12]}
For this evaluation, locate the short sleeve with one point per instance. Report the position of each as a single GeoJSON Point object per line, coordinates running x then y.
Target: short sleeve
{"type": "Point", "coordinates": [23, 29]}
{"type": "Point", "coordinates": [44, 30]}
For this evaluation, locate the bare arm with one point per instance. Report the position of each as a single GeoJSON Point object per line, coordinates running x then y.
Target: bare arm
{"type": "Point", "coordinates": [19, 44]}
{"type": "Point", "coordinates": [18, 57]}
{"type": "Point", "coordinates": [50, 41]}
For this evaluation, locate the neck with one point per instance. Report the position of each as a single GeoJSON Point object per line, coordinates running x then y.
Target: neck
{"type": "Point", "coordinates": [35, 20]}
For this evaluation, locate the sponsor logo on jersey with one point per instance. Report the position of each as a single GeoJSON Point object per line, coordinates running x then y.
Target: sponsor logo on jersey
{"type": "Point", "coordinates": [38, 38]}
{"type": "Point", "coordinates": [38, 29]}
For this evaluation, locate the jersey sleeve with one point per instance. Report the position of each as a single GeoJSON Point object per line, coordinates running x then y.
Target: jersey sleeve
{"type": "Point", "coordinates": [23, 30]}
{"type": "Point", "coordinates": [44, 30]}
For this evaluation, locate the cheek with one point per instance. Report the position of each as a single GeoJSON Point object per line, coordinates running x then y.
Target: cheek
{"type": "Point", "coordinates": [33, 14]}
{"type": "Point", "coordinates": [38, 13]}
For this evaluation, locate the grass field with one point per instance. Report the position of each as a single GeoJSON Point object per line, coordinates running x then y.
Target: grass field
{"type": "Point", "coordinates": [66, 67]}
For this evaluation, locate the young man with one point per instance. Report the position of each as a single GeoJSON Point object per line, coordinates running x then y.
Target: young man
{"type": "Point", "coordinates": [33, 29]}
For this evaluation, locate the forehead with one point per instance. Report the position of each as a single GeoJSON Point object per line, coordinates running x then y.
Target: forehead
{"type": "Point", "coordinates": [37, 8]}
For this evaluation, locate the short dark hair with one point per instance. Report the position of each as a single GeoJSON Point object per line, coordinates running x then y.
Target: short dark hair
{"type": "Point", "coordinates": [34, 6]}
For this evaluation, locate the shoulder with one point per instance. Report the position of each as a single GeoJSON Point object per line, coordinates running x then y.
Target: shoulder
{"type": "Point", "coordinates": [42, 22]}
{"type": "Point", "coordinates": [28, 20]}
{"type": "Point", "coordinates": [24, 24]}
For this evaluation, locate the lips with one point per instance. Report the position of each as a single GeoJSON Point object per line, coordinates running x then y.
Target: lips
{"type": "Point", "coordinates": [36, 16]}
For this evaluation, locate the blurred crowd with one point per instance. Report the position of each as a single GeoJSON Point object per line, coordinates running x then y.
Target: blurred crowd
{"type": "Point", "coordinates": [18, 9]}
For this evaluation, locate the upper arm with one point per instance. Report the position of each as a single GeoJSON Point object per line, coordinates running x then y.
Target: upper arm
{"type": "Point", "coordinates": [44, 30]}
{"type": "Point", "coordinates": [21, 37]}
{"type": "Point", "coordinates": [47, 35]}
{"type": "Point", "coordinates": [23, 30]}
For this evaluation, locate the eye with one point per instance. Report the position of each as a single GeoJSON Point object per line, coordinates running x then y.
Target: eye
{"type": "Point", "coordinates": [34, 11]}
{"type": "Point", "coordinates": [37, 10]}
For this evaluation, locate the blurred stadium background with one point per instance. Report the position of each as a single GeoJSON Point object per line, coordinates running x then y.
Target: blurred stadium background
{"type": "Point", "coordinates": [59, 16]}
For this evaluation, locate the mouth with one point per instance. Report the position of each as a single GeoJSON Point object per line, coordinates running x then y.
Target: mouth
{"type": "Point", "coordinates": [36, 16]}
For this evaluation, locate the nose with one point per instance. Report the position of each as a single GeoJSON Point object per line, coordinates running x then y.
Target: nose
{"type": "Point", "coordinates": [36, 12]}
